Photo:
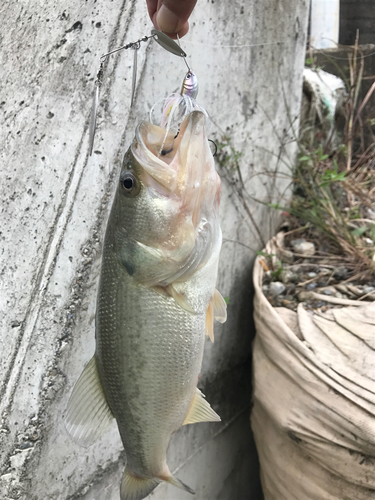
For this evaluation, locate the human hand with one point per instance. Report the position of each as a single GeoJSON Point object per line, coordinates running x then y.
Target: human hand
{"type": "Point", "coordinates": [171, 16]}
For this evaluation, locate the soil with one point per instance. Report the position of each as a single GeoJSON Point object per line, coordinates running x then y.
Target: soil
{"type": "Point", "coordinates": [300, 273]}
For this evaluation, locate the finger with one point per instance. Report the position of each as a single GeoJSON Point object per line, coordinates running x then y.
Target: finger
{"type": "Point", "coordinates": [181, 33]}
{"type": "Point", "coordinates": [152, 7]}
{"type": "Point", "coordinates": [172, 16]}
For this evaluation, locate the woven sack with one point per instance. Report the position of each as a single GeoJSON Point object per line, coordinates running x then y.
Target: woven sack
{"type": "Point", "coordinates": [313, 414]}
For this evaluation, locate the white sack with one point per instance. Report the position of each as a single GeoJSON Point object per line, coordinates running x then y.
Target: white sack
{"type": "Point", "coordinates": [313, 416]}
{"type": "Point", "coordinates": [322, 100]}
{"type": "Point", "coordinates": [325, 89]}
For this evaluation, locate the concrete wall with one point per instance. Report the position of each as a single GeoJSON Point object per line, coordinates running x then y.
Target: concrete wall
{"type": "Point", "coordinates": [248, 57]}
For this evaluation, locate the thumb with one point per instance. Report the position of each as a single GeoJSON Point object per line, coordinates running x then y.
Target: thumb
{"type": "Point", "coordinates": [172, 16]}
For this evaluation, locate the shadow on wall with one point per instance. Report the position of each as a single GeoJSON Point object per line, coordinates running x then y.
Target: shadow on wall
{"type": "Point", "coordinates": [229, 391]}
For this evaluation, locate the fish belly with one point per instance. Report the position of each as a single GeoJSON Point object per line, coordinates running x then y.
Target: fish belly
{"type": "Point", "coordinates": [149, 354]}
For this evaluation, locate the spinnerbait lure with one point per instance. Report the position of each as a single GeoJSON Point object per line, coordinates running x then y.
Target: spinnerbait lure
{"type": "Point", "coordinates": [189, 87]}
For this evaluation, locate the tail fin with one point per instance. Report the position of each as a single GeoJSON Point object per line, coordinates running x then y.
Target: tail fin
{"type": "Point", "coordinates": [134, 487]}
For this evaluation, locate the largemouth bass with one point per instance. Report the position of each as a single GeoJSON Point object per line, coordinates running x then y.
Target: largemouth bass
{"type": "Point", "coordinates": [156, 303]}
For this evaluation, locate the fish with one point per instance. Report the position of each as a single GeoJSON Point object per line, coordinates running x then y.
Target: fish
{"type": "Point", "coordinates": [156, 303]}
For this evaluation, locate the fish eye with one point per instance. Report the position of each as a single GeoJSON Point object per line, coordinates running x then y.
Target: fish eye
{"type": "Point", "coordinates": [129, 183]}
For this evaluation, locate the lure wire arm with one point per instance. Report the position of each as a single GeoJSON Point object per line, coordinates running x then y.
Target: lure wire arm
{"type": "Point", "coordinates": [135, 47]}
{"type": "Point", "coordinates": [184, 57]}
{"type": "Point", "coordinates": [162, 39]}
{"type": "Point", "coordinates": [99, 80]}
{"type": "Point", "coordinates": [95, 104]}
{"type": "Point", "coordinates": [130, 45]}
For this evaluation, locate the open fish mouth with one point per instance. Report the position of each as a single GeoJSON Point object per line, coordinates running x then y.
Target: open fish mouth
{"type": "Point", "coordinates": [171, 158]}
{"type": "Point", "coordinates": [167, 230]}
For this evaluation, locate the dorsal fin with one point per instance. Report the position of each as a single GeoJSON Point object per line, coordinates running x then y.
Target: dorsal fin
{"type": "Point", "coordinates": [200, 411]}
{"type": "Point", "coordinates": [88, 414]}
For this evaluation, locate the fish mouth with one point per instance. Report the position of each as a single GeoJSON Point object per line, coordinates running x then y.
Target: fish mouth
{"type": "Point", "coordinates": [164, 154]}
{"type": "Point", "coordinates": [182, 193]}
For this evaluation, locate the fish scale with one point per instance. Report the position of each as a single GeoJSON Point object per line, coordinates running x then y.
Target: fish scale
{"type": "Point", "coordinates": [145, 323]}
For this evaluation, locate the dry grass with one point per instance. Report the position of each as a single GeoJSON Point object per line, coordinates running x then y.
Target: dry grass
{"type": "Point", "coordinates": [334, 189]}
{"type": "Point", "coordinates": [333, 183]}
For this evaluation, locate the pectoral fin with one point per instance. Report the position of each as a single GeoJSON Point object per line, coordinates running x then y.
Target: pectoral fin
{"type": "Point", "coordinates": [180, 299]}
{"type": "Point", "coordinates": [220, 307]}
{"type": "Point", "coordinates": [200, 411]}
{"type": "Point", "coordinates": [88, 414]}
{"type": "Point", "coordinates": [217, 308]}
{"type": "Point", "coordinates": [210, 320]}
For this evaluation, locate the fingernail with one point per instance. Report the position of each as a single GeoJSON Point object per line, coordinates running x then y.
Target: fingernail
{"type": "Point", "coordinates": [167, 20]}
